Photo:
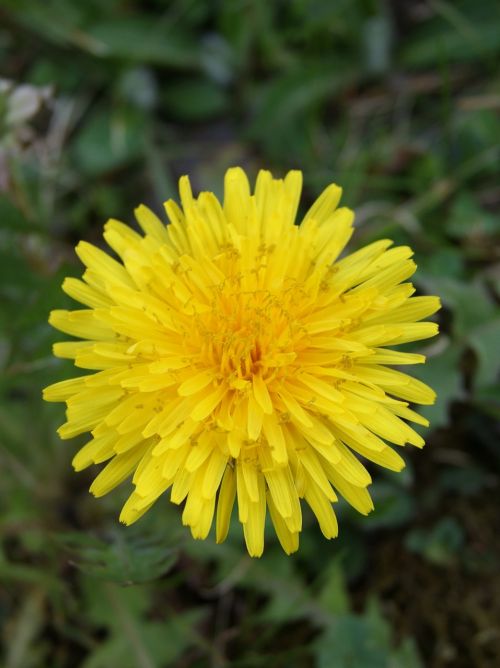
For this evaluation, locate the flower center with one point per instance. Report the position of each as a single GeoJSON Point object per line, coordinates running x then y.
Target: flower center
{"type": "Point", "coordinates": [247, 333]}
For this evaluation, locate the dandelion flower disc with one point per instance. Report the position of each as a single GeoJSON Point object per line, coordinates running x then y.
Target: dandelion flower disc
{"type": "Point", "coordinates": [235, 357]}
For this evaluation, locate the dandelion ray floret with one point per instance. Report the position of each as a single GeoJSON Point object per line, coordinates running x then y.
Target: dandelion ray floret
{"type": "Point", "coordinates": [236, 359]}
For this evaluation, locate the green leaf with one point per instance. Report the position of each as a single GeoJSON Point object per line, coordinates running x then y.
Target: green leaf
{"type": "Point", "coordinates": [377, 40]}
{"type": "Point", "coordinates": [469, 220]}
{"type": "Point", "coordinates": [11, 217]}
{"type": "Point", "coordinates": [469, 303]}
{"type": "Point", "coordinates": [132, 639]}
{"type": "Point", "coordinates": [194, 99]}
{"type": "Point", "coordinates": [288, 97]}
{"type": "Point", "coordinates": [442, 373]}
{"type": "Point", "coordinates": [333, 595]}
{"type": "Point", "coordinates": [125, 558]}
{"type": "Point", "coordinates": [394, 506]}
{"type": "Point", "coordinates": [467, 481]}
{"type": "Point", "coordinates": [485, 341]}
{"type": "Point", "coordinates": [23, 650]}
{"type": "Point", "coordinates": [441, 545]}
{"type": "Point", "coordinates": [444, 262]}
{"type": "Point", "coordinates": [56, 20]}
{"type": "Point", "coordinates": [110, 138]}
{"type": "Point", "coordinates": [359, 641]}
{"type": "Point", "coordinates": [488, 400]}
{"type": "Point", "coordinates": [138, 87]}
{"type": "Point", "coordinates": [144, 39]}
{"type": "Point", "coordinates": [458, 32]}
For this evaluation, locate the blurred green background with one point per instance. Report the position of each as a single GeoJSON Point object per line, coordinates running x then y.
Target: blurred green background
{"type": "Point", "coordinates": [103, 105]}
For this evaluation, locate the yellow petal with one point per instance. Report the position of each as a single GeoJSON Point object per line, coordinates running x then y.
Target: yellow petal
{"type": "Point", "coordinates": [323, 510]}
{"type": "Point", "coordinates": [208, 403]}
{"type": "Point", "coordinates": [253, 528]}
{"type": "Point", "coordinates": [275, 438]}
{"type": "Point", "coordinates": [261, 394]}
{"type": "Point", "coordinates": [214, 470]}
{"type": "Point", "coordinates": [151, 224]}
{"type": "Point", "coordinates": [118, 469]}
{"type": "Point", "coordinates": [289, 540]}
{"type": "Point", "coordinates": [225, 504]}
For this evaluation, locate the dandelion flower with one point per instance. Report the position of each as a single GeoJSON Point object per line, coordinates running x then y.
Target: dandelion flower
{"type": "Point", "coordinates": [237, 358]}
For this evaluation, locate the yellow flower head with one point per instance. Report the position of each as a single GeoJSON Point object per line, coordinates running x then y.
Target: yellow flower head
{"type": "Point", "coordinates": [236, 357]}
